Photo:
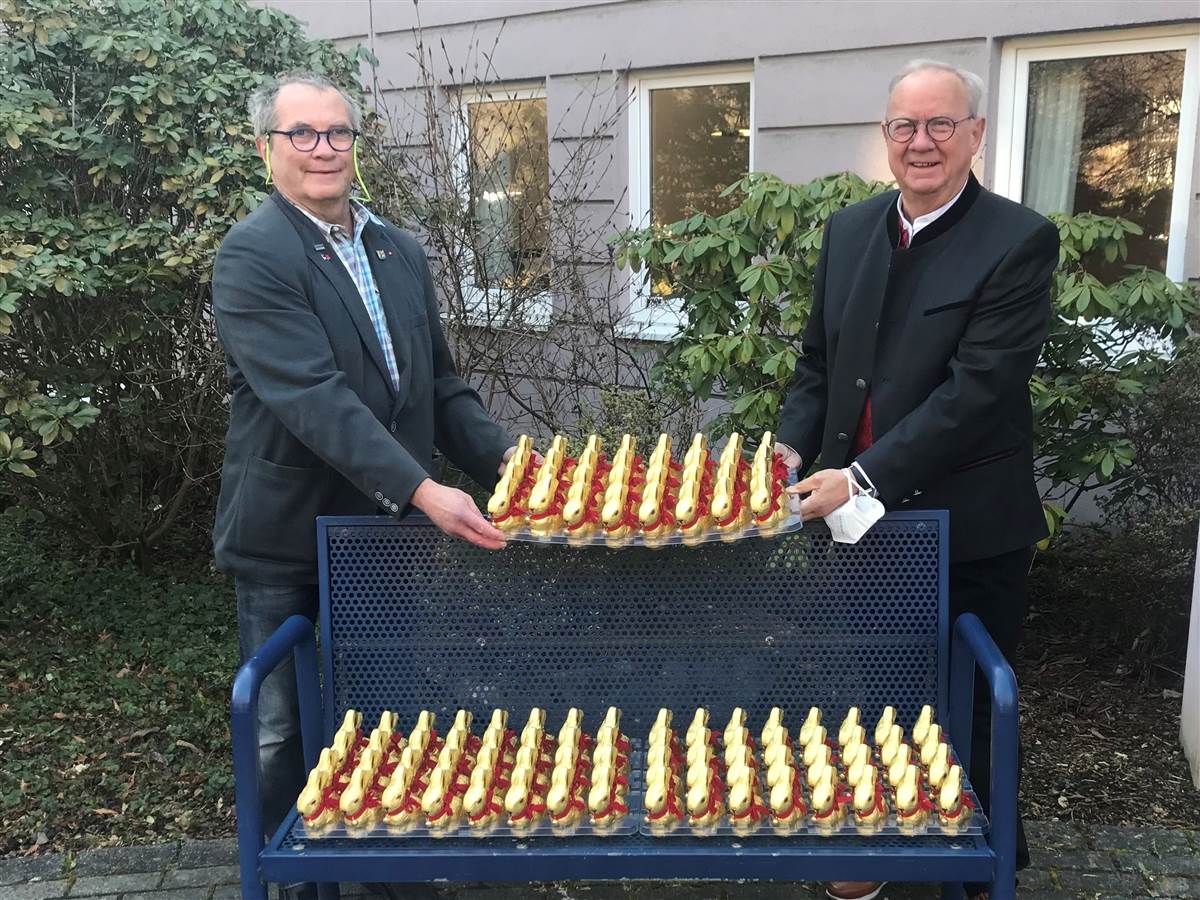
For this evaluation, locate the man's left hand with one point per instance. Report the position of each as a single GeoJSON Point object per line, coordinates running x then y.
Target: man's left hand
{"type": "Point", "coordinates": [827, 490]}
{"type": "Point", "coordinates": [537, 458]}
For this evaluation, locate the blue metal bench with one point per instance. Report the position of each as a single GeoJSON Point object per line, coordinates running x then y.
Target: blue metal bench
{"type": "Point", "coordinates": [411, 619]}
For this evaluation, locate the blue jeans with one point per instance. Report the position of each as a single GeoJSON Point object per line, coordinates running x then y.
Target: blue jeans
{"type": "Point", "coordinates": [261, 608]}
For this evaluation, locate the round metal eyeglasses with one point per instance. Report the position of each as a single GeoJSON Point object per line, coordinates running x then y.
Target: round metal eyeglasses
{"type": "Point", "coordinates": [939, 128]}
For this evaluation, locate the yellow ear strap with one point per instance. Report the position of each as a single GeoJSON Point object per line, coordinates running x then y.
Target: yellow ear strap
{"type": "Point", "coordinates": [267, 157]}
{"type": "Point", "coordinates": [366, 195]}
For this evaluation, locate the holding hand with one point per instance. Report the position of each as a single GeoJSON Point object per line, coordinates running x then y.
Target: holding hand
{"type": "Point", "coordinates": [456, 514]}
{"type": "Point", "coordinates": [827, 490]}
{"type": "Point", "coordinates": [791, 458]}
{"type": "Point", "coordinates": [537, 458]}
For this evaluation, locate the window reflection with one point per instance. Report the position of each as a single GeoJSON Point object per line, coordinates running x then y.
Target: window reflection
{"type": "Point", "coordinates": [699, 145]}
{"type": "Point", "coordinates": [510, 187]}
{"type": "Point", "coordinates": [1101, 137]}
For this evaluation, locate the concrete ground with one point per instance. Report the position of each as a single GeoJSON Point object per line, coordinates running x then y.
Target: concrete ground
{"type": "Point", "coordinates": [1069, 861]}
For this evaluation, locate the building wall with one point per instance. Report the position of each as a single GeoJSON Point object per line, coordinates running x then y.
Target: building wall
{"type": "Point", "coordinates": [820, 67]}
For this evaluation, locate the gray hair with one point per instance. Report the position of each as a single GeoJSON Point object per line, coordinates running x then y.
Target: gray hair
{"type": "Point", "coordinates": [970, 81]}
{"type": "Point", "coordinates": [261, 105]}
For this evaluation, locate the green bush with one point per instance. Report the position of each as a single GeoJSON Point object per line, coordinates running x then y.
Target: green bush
{"type": "Point", "coordinates": [127, 157]}
{"type": "Point", "coordinates": [1128, 585]}
{"type": "Point", "coordinates": [745, 281]}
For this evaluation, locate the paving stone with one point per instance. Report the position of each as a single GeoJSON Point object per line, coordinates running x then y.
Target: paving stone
{"type": "Point", "coordinates": [1043, 895]}
{"type": "Point", "coordinates": [115, 884]}
{"type": "Point", "coordinates": [178, 894]}
{"type": "Point", "coordinates": [1158, 865]}
{"type": "Point", "coordinates": [1174, 886]}
{"type": "Point", "coordinates": [1063, 835]}
{"type": "Point", "coordinates": [228, 892]}
{"type": "Point", "coordinates": [35, 890]}
{"type": "Point", "coordinates": [1095, 860]}
{"type": "Point", "coordinates": [27, 868]}
{"type": "Point", "coordinates": [209, 875]}
{"type": "Point", "coordinates": [1155, 841]}
{"type": "Point", "coordinates": [1032, 880]}
{"type": "Point", "coordinates": [195, 854]}
{"type": "Point", "coordinates": [1123, 883]}
{"type": "Point", "coordinates": [126, 860]}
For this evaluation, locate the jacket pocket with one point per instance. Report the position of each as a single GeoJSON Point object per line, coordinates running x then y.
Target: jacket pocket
{"type": "Point", "coordinates": [945, 307]}
{"type": "Point", "coordinates": [277, 511]}
{"type": "Point", "coordinates": [986, 460]}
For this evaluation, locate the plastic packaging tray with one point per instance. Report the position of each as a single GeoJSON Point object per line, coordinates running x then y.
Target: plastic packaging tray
{"type": "Point", "coordinates": [977, 824]}
{"type": "Point", "coordinates": [596, 536]}
{"type": "Point", "coordinates": [460, 827]}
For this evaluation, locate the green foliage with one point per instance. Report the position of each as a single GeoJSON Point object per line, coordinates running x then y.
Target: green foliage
{"type": "Point", "coordinates": [115, 717]}
{"type": "Point", "coordinates": [745, 283]}
{"type": "Point", "coordinates": [1147, 548]}
{"type": "Point", "coordinates": [1108, 346]}
{"type": "Point", "coordinates": [127, 158]}
{"type": "Point", "coordinates": [745, 279]}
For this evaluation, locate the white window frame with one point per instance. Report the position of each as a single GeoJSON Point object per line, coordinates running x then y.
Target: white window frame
{"type": "Point", "coordinates": [1012, 110]}
{"type": "Point", "coordinates": [479, 300]}
{"type": "Point", "coordinates": [660, 320]}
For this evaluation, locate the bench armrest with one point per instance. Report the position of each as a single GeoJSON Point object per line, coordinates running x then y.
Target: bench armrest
{"type": "Point", "coordinates": [974, 648]}
{"type": "Point", "coordinates": [296, 637]}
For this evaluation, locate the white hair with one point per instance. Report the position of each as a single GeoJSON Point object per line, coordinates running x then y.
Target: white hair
{"type": "Point", "coordinates": [261, 105]}
{"type": "Point", "coordinates": [971, 82]}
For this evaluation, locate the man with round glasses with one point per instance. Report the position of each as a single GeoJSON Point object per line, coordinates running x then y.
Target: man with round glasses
{"type": "Point", "coordinates": [930, 306]}
{"type": "Point", "coordinates": [342, 384]}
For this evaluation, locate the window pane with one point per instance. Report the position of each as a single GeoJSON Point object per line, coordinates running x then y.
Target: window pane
{"type": "Point", "coordinates": [699, 144]}
{"type": "Point", "coordinates": [510, 188]}
{"type": "Point", "coordinates": [1101, 138]}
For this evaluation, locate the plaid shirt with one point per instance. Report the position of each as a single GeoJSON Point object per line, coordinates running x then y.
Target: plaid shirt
{"type": "Point", "coordinates": [353, 254]}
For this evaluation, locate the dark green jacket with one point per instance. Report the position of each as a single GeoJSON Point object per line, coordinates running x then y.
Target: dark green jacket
{"type": "Point", "coordinates": [315, 424]}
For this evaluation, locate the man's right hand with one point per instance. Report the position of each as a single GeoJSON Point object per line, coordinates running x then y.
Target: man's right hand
{"type": "Point", "coordinates": [456, 514]}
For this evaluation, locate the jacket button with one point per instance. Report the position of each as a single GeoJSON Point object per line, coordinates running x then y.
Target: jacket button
{"type": "Point", "coordinates": [861, 384]}
{"type": "Point", "coordinates": [378, 495]}
{"type": "Point", "coordinates": [393, 427]}
{"type": "Point", "coordinates": [843, 437]}
{"type": "Point", "coordinates": [395, 508]}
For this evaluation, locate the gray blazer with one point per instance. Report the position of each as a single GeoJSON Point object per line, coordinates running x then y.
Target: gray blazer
{"type": "Point", "coordinates": [315, 425]}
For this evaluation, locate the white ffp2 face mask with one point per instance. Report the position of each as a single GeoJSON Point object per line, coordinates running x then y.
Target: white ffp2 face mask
{"type": "Point", "coordinates": [854, 518]}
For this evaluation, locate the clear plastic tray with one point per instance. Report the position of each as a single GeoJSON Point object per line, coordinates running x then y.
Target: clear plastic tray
{"type": "Point", "coordinates": [542, 826]}
{"type": "Point", "coordinates": [846, 826]}
{"type": "Point", "coordinates": [596, 536]}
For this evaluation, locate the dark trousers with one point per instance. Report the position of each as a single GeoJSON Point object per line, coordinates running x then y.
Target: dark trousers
{"type": "Point", "coordinates": [281, 774]}
{"type": "Point", "coordinates": [995, 589]}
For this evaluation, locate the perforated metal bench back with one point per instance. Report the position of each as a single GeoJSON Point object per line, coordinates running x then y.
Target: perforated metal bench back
{"type": "Point", "coordinates": [412, 619]}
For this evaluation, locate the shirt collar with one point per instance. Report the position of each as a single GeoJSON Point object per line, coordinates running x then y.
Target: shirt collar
{"type": "Point", "coordinates": [930, 217]}
{"type": "Point", "coordinates": [334, 232]}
